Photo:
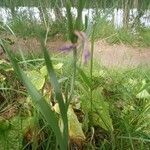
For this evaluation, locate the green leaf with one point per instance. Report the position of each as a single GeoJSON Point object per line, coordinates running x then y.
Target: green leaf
{"type": "Point", "coordinates": [55, 84]}
{"type": "Point", "coordinates": [84, 77]}
{"type": "Point", "coordinates": [144, 85]}
{"type": "Point", "coordinates": [80, 6]}
{"type": "Point", "coordinates": [2, 61]}
{"type": "Point", "coordinates": [70, 22]}
{"type": "Point", "coordinates": [36, 78]}
{"type": "Point", "coordinates": [98, 110]}
{"type": "Point", "coordinates": [75, 127]}
{"type": "Point", "coordinates": [143, 95]}
{"type": "Point", "coordinates": [44, 72]}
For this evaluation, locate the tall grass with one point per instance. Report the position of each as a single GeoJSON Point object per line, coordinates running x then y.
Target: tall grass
{"type": "Point", "coordinates": [116, 117]}
{"type": "Point", "coordinates": [37, 98]}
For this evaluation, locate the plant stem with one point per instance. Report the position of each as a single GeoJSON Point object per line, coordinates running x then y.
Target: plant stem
{"type": "Point", "coordinates": [65, 130]}
{"type": "Point", "coordinates": [74, 74]}
{"type": "Point", "coordinates": [91, 69]}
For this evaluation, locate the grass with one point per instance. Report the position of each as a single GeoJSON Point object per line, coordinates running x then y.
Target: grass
{"type": "Point", "coordinates": [144, 36]}
{"type": "Point", "coordinates": [56, 102]}
{"type": "Point", "coordinates": [105, 30]}
{"type": "Point", "coordinates": [117, 87]}
{"type": "Point", "coordinates": [24, 27]}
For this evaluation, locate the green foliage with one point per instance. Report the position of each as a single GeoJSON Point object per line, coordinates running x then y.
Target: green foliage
{"type": "Point", "coordinates": [105, 30]}
{"type": "Point", "coordinates": [115, 105]}
{"type": "Point", "coordinates": [98, 111]}
{"type": "Point", "coordinates": [4, 124]}
{"type": "Point", "coordinates": [112, 105]}
{"type": "Point", "coordinates": [36, 78]}
{"type": "Point", "coordinates": [25, 28]}
{"type": "Point", "coordinates": [5, 66]}
{"type": "Point", "coordinates": [144, 37]}
{"type": "Point", "coordinates": [123, 36]}
{"type": "Point", "coordinates": [40, 102]}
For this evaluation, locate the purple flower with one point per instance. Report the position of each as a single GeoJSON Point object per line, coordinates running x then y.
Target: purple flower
{"type": "Point", "coordinates": [85, 53]}
{"type": "Point", "coordinates": [67, 48]}
{"type": "Point", "coordinates": [85, 56]}
{"type": "Point", "coordinates": [83, 42]}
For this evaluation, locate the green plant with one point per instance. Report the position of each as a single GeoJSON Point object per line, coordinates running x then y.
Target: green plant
{"type": "Point", "coordinates": [144, 36]}
{"type": "Point", "coordinates": [40, 102]}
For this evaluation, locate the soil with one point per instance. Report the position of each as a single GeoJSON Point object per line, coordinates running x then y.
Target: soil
{"type": "Point", "coordinates": [116, 55]}
{"type": "Point", "coordinates": [121, 55]}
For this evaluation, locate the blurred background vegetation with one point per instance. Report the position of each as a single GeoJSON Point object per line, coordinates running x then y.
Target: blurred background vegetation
{"type": "Point", "coordinates": [122, 93]}
{"type": "Point", "coordinates": [118, 21]}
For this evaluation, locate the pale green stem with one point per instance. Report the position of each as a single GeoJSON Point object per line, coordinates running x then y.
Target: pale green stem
{"type": "Point", "coordinates": [91, 68]}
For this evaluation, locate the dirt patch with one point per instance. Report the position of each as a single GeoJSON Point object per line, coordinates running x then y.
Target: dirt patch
{"type": "Point", "coordinates": [109, 55]}
{"type": "Point", "coordinates": [121, 55]}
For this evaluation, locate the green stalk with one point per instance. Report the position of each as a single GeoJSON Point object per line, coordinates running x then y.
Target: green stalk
{"type": "Point", "coordinates": [62, 106]}
{"type": "Point", "coordinates": [81, 4]}
{"type": "Point", "coordinates": [91, 67]}
{"type": "Point", "coordinates": [70, 21]}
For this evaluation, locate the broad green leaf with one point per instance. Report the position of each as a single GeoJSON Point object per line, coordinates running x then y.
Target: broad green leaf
{"type": "Point", "coordinates": [98, 110]}
{"type": "Point", "coordinates": [62, 79]}
{"type": "Point", "coordinates": [75, 127]}
{"type": "Point", "coordinates": [54, 81]}
{"type": "Point", "coordinates": [145, 85]}
{"type": "Point", "coordinates": [36, 78]}
{"type": "Point", "coordinates": [44, 72]}
{"type": "Point", "coordinates": [80, 6]}
{"type": "Point", "coordinates": [143, 95]}
{"type": "Point", "coordinates": [102, 73]}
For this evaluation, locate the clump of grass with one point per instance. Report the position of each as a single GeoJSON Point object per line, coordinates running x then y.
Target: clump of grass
{"type": "Point", "coordinates": [26, 28]}
{"type": "Point", "coordinates": [123, 36]}
{"type": "Point", "coordinates": [105, 30]}
{"type": "Point", "coordinates": [144, 37]}
{"type": "Point", "coordinates": [117, 87]}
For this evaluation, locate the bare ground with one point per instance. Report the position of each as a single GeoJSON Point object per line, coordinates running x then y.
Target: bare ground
{"type": "Point", "coordinates": [121, 55]}
{"type": "Point", "coordinates": [109, 55]}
